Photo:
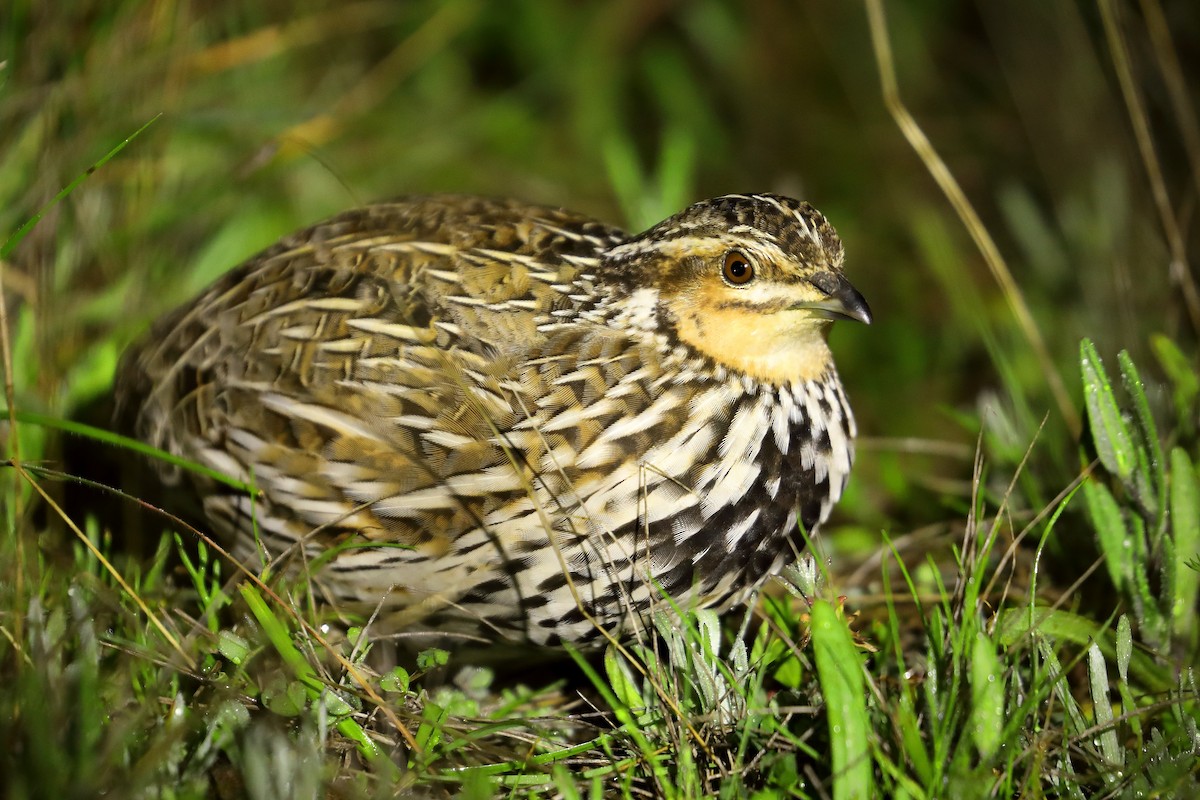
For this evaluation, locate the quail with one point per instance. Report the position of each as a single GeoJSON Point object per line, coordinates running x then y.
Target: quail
{"type": "Point", "coordinates": [480, 417]}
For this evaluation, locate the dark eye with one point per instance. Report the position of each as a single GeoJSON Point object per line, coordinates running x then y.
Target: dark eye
{"type": "Point", "coordinates": [737, 270]}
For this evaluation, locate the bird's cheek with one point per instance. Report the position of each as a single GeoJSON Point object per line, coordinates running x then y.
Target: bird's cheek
{"type": "Point", "coordinates": [687, 316]}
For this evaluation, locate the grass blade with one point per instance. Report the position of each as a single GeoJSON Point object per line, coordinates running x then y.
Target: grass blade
{"type": "Point", "coordinates": [1113, 442]}
{"type": "Point", "coordinates": [1110, 748]}
{"type": "Point", "coordinates": [839, 667]}
{"type": "Point", "coordinates": [987, 697]}
{"type": "Point", "coordinates": [1151, 484]}
{"type": "Point", "coordinates": [1111, 532]}
{"type": "Point", "coordinates": [319, 692]}
{"type": "Point", "coordinates": [22, 231]}
{"type": "Point", "coordinates": [117, 440]}
{"type": "Point", "coordinates": [1185, 529]}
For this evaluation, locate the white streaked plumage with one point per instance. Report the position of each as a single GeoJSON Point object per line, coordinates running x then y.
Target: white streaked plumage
{"type": "Point", "coordinates": [512, 421]}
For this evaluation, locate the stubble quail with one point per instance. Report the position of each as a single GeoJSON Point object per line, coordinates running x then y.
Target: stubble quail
{"type": "Point", "coordinates": [508, 421]}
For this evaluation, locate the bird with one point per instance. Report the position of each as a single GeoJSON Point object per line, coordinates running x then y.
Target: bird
{"type": "Point", "coordinates": [512, 423]}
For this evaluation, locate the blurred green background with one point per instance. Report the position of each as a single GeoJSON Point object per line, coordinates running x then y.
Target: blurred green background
{"type": "Point", "coordinates": [271, 115]}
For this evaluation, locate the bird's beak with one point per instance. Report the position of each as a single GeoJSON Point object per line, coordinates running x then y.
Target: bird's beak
{"type": "Point", "coordinates": [844, 302]}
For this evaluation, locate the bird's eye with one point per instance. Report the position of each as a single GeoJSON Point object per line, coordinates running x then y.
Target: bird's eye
{"type": "Point", "coordinates": [738, 271]}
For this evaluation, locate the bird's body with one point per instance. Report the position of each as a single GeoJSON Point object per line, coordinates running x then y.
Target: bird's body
{"type": "Point", "coordinates": [512, 421]}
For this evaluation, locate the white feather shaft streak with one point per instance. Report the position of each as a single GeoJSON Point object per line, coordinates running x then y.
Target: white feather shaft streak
{"type": "Point", "coordinates": [343, 346]}
{"type": "Point", "coordinates": [336, 421]}
{"type": "Point", "coordinates": [393, 330]}
{"type": "Point", "coordinates": [573, 416]}
{"type": "Point", "coordinates": [390, 245]}
{"type": "Point", "coordinates": [306, 305]}
{"type": "Point", "coordinates": [730, 481]}
{"type": "Point", "coordinates": [507, 257]}
{"type": "Point", "coordinates": [733, 536]}
{"type": "Point", "coordinates": [449, 276]}
{"type": "Point", "coordinates": [636, 423]}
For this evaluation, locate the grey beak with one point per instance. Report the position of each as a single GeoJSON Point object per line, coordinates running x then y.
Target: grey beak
{"type": "Point", "coordinates": [844, 301]}
{"type": "Point", "coordinates": [851, 304]}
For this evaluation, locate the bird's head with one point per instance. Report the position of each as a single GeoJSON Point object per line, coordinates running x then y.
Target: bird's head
{"type": "Point", "coordinates": [751, 281]}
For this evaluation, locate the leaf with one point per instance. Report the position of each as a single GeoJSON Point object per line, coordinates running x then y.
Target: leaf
{"type": "Point", "coordinates": [1185, 535]}
{"type": "Point", "coordinates": [280, 638]}
{"type": "Point", "coordinates": [1179, 369]}
{"type": "Point", "coordinates": [1124, 646]}
{"type": "Point", "coordinates": [1110, 748]}
{"type": "Point", "coordinates": [1152, 617]}
{"type": "Point", "coordinates": [910, 723]}
{"type": "Point", "coordinates": [285, 698]}
{"type": "Point", "coordinates": [1150, 484]}
{"type": "Point", "coordinates": [622, 681]}
{"type": "Point", "coordinates": [1048, 624]}
{"type": "Point", "coordinates": [628, 179]}
{"type": "Point", "coordinates": [676, 169]}
{"type": "Point", "coordinates": [703, 662]}
{"type": "Point", "coordinates": [987, 697]}
{"type": "Point", "coordinates": [1111, 532]}
{"type": "Point", "coordinates": [429, 732]}
{"type": "Point", "coordinates": [1062, 687]}
{"type": "Point", "coordinates": [1114, 444]}
{"type": "Point", "coordinates": [233, 647]}
{"type": "Point", "coordinates": [839, 668]}
{"type": "Point", "coordinates": [432, 658]}
{"type": "Point", "coordinates": [395, 681]}
{"type": "Point", "coordinates": [790, 672]}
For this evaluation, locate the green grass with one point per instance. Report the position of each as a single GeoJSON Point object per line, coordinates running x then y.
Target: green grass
{"type": "Point", "coordinates": [1005, 603]}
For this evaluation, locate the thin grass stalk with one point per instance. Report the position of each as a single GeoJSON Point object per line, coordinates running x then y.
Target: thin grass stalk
{"type": "Point", "coordinates": [1179, 273]}
{"type": "Point", "coordinates": [966, 212]}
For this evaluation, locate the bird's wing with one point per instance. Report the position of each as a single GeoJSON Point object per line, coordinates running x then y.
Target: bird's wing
{"type": "Point", "coordinates": [363, 372]}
